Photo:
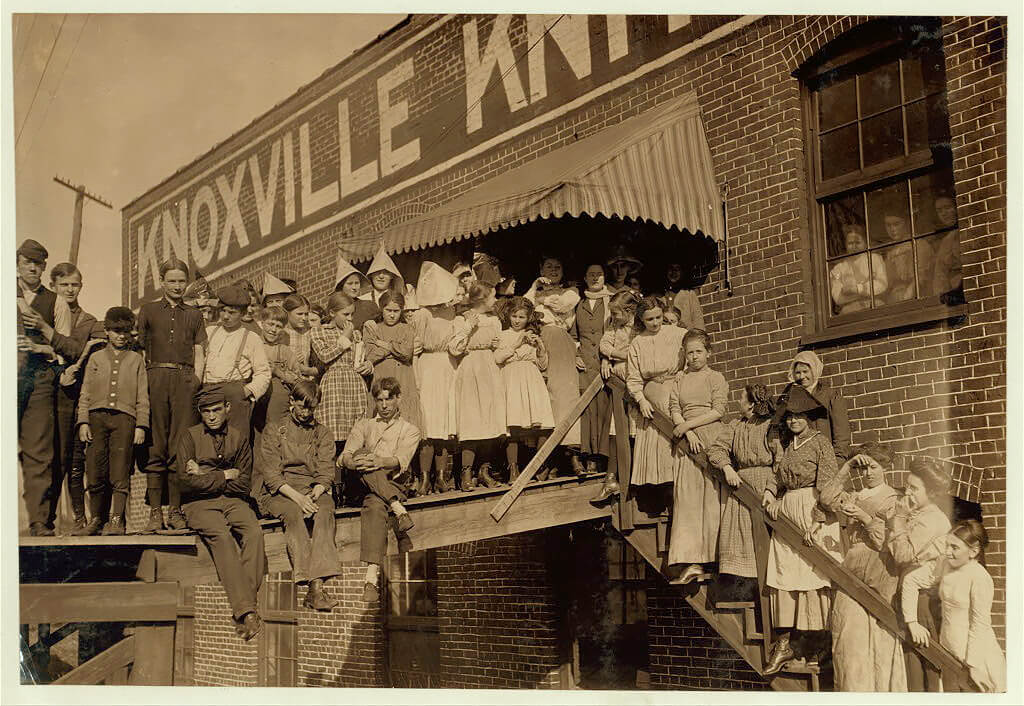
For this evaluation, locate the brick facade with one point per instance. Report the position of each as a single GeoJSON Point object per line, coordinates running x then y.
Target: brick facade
{"type": "Point", "coordinates": [937, 388]}
{"type": "Point", "coordinates": [343, 648]}
{"type": "Point", "coordinates": [498, 621]}
{"type": "Point", "coordinates": [221, 658]}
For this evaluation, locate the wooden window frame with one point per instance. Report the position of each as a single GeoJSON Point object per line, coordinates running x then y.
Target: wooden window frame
{"type": "Point", "coordinates": [822, 325]}
{"type": "Point", "coordinates": [275, 621]}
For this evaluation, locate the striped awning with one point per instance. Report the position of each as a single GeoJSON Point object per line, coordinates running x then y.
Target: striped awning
{"type": "Point", "coordinates": [655, 166]}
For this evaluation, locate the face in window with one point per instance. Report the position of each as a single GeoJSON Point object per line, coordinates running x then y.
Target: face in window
{"type": "Point", "coordinates": [855, 240]}
{"type": "Point", "coordinates": [674, 273]}
{"type": "Point", "coordinates": [895, 227]}
{"type": "Point", "coordinates": [945, 211]}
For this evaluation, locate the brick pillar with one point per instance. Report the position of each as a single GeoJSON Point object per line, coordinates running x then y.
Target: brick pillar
{"type": "Point", "coordinates": [498, 620]}
{"type": "Point", "coordinates": [221, 657]}
{"type": "Point", "coordinates": [686, 652]}
{"type": "Point", "coordinates": [343, 648]}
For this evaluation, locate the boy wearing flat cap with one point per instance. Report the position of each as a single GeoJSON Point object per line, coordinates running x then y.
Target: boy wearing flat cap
{"type": "Point", "coordinates": [236, 360]}
{"type": "Point", "coordinates": [41, 314]}
{"type": "Point", "coordinates": [214, 473]}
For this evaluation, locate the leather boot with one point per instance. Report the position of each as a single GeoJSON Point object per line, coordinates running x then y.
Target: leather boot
{"type": "Point", "coordinates": [77, 525]}
{"type": "Point", "coordinates": [577, 465]}
{"type": "Point", "coordinates": [176, 519]}
{"type": "Point", "coordinates": [317, 599]}
{"type": "Point", "coordinates": [542, 474]}
{"type": "Point", "coordinates": [445, 482]}
{"type": "Point", "coordinates": [466, 481]}
{"type": "Point", "coordinates": [782, 652]}
{"type": "Point", "coordinates": [609, 487]}
{"type": "Point", "coordinates": [156, 521]}
{"type": "Point", "coordinates": [486, 478]}
{"type": "Point", "coordinates": [114, 526]}
{"type": "Point", "coordinates": [424, 486]}
{"type": "Point", "coordinates": [89, 529]}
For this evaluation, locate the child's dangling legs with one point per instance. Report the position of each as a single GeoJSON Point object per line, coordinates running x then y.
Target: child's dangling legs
{"type": "Point", "coordinates": [426, 458]}
{"type": "Point", "coordinates": [512, 458]}
{"type": "Point", "coordinates": [467, 480]}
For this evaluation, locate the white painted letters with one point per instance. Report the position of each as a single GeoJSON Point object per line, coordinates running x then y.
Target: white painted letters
{"type": "Point", "coordinates": [203, 255]}
{"type": "Point", "coordinates": [618, 40]}
{"type": "Point", "coordinates": [312, 201]}
{"type": "Point", "coordinates": [233, 222]}
{"type": "Point", "coordinates": [147, 254]}
{"type": "Point", "coordinates": [572, 36]}
{"type": "Point", "coordinates": [265, 198]}
{"type": "Point", "coordinates": [677, 22]}
{"type": "Point", "coordinates": [479, 69]}
{"type": "Point", "coordinates": [391, 115]}
{"type": "Point", "coordinates": [352, 180]}
{"type": "Point", "coordinates": [175, 235]}
{"type": "Point", "coordinates": [289, 179]}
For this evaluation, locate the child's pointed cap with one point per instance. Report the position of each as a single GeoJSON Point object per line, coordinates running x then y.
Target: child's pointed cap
{"type": "Point", "coordinates": [436, 285]}
{"type": "Point", "coordinates": [345, 270]}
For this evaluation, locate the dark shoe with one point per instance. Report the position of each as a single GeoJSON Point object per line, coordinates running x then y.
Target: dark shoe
{"type": "Point", "coordinates": [403, 523]}
{"type": "Point", "coordinates": [486, 478]}
{"type": "Point", "coordinates": [592, 465]}
{"type": "Point", "coordinates": [156, 521]}
{"type": "Point", "coordinates": [609, 488]}
{"type": "Point", "coordinates": [77, 525]}
{"type": "Point", "coordinates": [577, 465]}
{"type": "Point", "coordinates": [543, 474]}
{"type": "Point", "coordinates": [89, 529]}
{"type": "Point", "coordinates": [782, 652]}
{"type": "Point", "coordinates": [423, 486]}
{"type": "Point", "coordinates": [445, 482]}
{"type": "Point", "coordinates": [371, 592]}
{"type": "Point", "coordinates": [252, 625]}
{"type": "Point", "coordinates": [39, 529]}
{"type": "Point", "coordinates": [176, 519]}
{"type": "Point", "coordinates": [513, 472]}
{"type": "Point", "coordinates": [316, 598]}
{"type": "Point", "coordinates": [114, 527]}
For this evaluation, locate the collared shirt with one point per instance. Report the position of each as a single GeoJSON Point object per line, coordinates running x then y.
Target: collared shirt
{"type": "Point", "coordinates": [168, 333]}
{"type": "Point", "coordinates": [61, 313]}
{"type": "Point", "coordinates": [396, 438]}
{"type": "Point", "coordinates": [302, 449]}
{"type": "Point", "coordinates": [225, 350]}
{"type": "Point", "coordinates": [115, 379]}
{"type": "Point", "coordinates": [214, 452]}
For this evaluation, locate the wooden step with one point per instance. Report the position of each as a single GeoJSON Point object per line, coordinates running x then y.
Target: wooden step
{"type": "Point", "coordinates": [750, 624]}
{"type": "Point", "coordinates": [734, 605]}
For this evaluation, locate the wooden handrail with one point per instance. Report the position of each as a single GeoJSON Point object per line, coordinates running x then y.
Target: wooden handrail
{"type": "Point", "coordinates": [557, 434]}
{"type": "Point", "coordinates": [870, 600]}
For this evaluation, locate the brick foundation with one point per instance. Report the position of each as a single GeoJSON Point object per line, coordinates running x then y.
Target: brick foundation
{"type": "Point", "coordinates": [221, 657]}
{"type": "Point", "coordinates": [343, 648]}
{"type": "Point", "coordinates": [498, 620]}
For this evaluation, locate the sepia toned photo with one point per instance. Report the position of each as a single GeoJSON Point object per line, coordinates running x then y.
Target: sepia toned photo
{"type": "Point", "coordinates": [511, 351]}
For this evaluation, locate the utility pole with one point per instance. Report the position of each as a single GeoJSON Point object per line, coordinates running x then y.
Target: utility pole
{"type": "Point", "coordinates": [76, 226]}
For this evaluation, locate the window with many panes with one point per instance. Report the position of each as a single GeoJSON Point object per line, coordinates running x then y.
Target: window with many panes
{"type": "Point", "coordinates": [414, 649]}
{"type": "Point", "coordinates": [627, 575]}
{"type": "Point", "coordinates": [277, 658]}
{"type": "Point", "coordinates": [886, 248]}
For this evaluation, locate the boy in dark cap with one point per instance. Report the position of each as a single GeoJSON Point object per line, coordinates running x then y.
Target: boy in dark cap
{"type": "Point", "coordinates": [214, 474]}
{"type": "Point", "coordinates": [171, 334]}
{"type": "Point", "coordinates": [41, 314]}
{"type": "Point", "coordinates": [113, 414]}
{"type": "Point", "coordinates": [236, 359]}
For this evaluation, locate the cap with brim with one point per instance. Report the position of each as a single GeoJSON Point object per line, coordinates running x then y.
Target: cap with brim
{"type": "Point", "coordinates": [345, 270]}
{"type": "Point", "coordinates": [33, 250]}
{"type": "Point", "coordinates": [436, 285]}
{"type": "Point", "coordinates": [233, 296]}
{"type": "Point", "coordinates": [209, 396]}
{"type": "Point", "coordinates": [799, 401]}
{"type": "Point", "coordinates": [97, 330]}
{"type": "Point", "coordinates": [620, 254]}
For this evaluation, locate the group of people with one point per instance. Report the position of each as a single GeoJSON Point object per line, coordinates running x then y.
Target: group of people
{"type": "Point", "coordinates": [238, 404]}
{"type": "Point", "coordinates": [857, 283]}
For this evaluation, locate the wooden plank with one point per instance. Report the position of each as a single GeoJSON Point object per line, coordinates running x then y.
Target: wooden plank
{"type": "Point", "coordinates": [97, 602]}
{"type": "Point", "coordinates": [559, 432]}
{"type": "Point", "coordinates": [623, 458]}
{"type": "Point", "coordinates": [127, 540]}
{"type": "Point", "coordinates": [436, 525]}
{"type": "Point", "coordinates": [102, 665]}
{"type": "Point", "coordinates": [154, 655]}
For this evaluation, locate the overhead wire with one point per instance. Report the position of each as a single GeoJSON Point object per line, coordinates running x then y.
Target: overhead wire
{"type": "Point", "coordinates": [24, 47]}
{"type": "Point", "coordinates": [39, 84]}
{"type": "Point", "coordinates": [60, 80]}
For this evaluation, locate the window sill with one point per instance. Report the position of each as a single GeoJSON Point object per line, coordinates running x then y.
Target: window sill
{"type": "Point", "coordinates": [884, 322]}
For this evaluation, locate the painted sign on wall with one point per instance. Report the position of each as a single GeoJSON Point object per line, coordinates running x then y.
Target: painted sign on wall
{"type": "Point", "coordinates": [451, 85]}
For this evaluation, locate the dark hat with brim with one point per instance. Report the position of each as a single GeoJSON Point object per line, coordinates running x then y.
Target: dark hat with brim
{"type": "Point", "coordinates": [33, 250]}
{"type": "Point", "coordinates": [210, 395]}
{"type": "Point", "coordinates": [800, 401]}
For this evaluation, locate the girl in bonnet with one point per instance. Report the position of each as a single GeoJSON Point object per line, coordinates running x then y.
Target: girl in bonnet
{"type": "Point", "coordinates": [805, 371]}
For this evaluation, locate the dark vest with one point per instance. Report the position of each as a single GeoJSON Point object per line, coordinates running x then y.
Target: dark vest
{"type": "Point", "coordinates": [43, 303]}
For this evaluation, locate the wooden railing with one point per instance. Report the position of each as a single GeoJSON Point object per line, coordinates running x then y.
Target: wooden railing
{"type": "Point", "coordinates": [867, 597]}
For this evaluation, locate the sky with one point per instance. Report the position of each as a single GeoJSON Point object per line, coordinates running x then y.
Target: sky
{"type": "Point", "coordinates": [119, 102]}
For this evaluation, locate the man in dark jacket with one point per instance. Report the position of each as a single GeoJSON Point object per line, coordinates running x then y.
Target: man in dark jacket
{"type": "Point", "coordinates": [214, 469]}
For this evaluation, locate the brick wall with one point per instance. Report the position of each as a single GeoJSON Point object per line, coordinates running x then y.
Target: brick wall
{"type": "Point", "coordinates": [343, 648]}
{"type": "Point", "coordinates": [221, 657]}
{"type": "Point", "coordinates": [685, 652]}
{"type": "Point", "coordinates": [497, 615]}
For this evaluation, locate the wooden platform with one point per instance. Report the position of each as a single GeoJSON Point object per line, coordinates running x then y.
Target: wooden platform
{"type": "Point", "coordinates": [440, 520]}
